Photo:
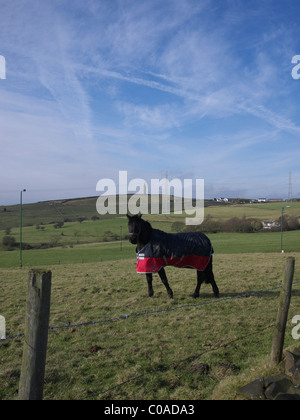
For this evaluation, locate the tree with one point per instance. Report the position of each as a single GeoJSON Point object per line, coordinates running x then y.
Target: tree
{"type": "Point", "coordinates": [58, 225]}
{"type": "Point", "coordinates": [54, 241]}
{"type": "Point", "coordinates": [293, 223]}
{"type": "Point", "coordinates": [9, 243]}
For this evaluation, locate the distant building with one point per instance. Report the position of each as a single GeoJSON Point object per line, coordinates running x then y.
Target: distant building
{"type": "Point", "coordinates": [275, 200]}
{"type": "Point", "coordinates": [222, 200]}
{"type": "Point", "coordinates": [270, 225]}
{"type": "Point", "coordinates": [262, 200]}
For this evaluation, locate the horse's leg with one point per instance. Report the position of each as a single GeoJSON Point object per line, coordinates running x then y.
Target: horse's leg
{"type": "Point", "coordinates": [149, 278]}
{"type": "Point", "coordinates": [200, 280]}
{"type": "Point", "coordinates": [211, 278]}
{"type": "Point", "coordinates": [163, 277]}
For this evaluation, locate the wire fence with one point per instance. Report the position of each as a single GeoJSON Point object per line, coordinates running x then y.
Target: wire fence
{"type": "Point", "coordinates": [191, 358]}
{"type": "Point", "coordinates": [138, 314]}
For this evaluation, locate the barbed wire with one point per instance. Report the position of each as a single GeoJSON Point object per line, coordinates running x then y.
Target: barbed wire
{"type": "Point", "coordinates": [157, 311]}
{"type": "Point", "coordinates": [99, 394]}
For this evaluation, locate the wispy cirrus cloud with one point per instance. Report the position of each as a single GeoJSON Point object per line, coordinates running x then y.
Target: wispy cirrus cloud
{"type": "Point", "coordinates": [94, 86]}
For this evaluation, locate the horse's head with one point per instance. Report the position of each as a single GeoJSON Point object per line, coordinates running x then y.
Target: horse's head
{"type": "Point", "coordinates": [134, 227]}
{"type": "Point", "coordinates": [139, 229]}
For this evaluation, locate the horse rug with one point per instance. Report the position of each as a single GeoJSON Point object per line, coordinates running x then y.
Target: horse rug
{"type": "Point", "coordinates": [182, 250]}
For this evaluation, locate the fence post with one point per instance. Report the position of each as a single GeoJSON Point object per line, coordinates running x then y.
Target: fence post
{"type": "Point", "coordinates": [283, 310]}
{"type": "Point", "coordinates": [31, 385]}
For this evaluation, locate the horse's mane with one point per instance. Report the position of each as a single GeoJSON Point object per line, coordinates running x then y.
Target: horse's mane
{"type": "Point", "coordinates": [146, 231]}
{"type": "Point", "coordinates": [147, 225]}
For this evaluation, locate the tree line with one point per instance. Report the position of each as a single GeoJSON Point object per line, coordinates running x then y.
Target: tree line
{"type": "Point", "coordinates": [238, 225]}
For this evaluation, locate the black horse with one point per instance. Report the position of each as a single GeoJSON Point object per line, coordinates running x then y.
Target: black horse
{"type": "Point", "coordinates": [157, 249]}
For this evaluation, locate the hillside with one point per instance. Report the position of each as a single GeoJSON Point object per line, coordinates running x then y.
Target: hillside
{"type": "Point", "coordinates": [70, 231]}
{"type": "Point", "coordinates": [74, 210]}
{"type": "Point", "coordinates": [47, 212]}
{"type": "Point", "coordinates": [68, 210]}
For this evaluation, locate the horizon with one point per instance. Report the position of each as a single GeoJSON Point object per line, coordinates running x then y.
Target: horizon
{"type": "Point", "coordinates": [198, 89]}
{"type": "Point", "coordinates": [131, 194]}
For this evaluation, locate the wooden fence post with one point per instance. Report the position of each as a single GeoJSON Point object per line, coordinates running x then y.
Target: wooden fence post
{"type": "Point", "coordinates": [283, 310]}
{"type": "Point", "coordinates": [31, 385]}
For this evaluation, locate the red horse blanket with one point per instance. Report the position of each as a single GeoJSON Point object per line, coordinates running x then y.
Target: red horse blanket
{"type": "Point", "coordinates": [182, 250]}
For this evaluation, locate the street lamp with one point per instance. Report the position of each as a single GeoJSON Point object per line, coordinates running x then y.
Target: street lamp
{"type": "Point", "coordinates": [121, 238]}
{"type": "Point", "coordinates": [282, 211]}
{"type": "Point", "coordinates": [21, 217]}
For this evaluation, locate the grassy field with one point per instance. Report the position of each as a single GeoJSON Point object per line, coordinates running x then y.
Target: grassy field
{"type": "Point", "coordinates": [47, 212]}
{"type": "Point", "coordinates": [263, 211]}
{"type": "Point", "coordinates": [83, 242]}
{"type": "Point", "coordinates": [156, 356]}
{"type": "Point", "coordinates": [54, 211]}
{"type": "Point", "coordinates": [176, 350]}
{"type": "Point", "coordinates": [223, 243]}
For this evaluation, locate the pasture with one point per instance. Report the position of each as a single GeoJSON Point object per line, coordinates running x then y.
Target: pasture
{"type": "Point", "coordinates": [110, 341]}
{"type": "Point", "coordinates": [160, 355]}
{"type": "Point", "coordinates": [223, 243]}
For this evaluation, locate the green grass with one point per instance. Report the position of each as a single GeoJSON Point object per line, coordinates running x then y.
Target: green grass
{"type": "Point", "coordinates": [47, 212]}
{"type": "Point", "coordinates": [263, 212]}
{"type": "Point", "coordinates": [155, 356]}
{"type": "Point", "coordinates": [82, 242]}
{"type": "Point", "coordinates": [70, 240]}
{"type": "Point", "coordinates": [71, 233]}
{"type": "Point", "coordinates": [53, 211]}
{"type": "Point", "coordinates": [77, 255]}
{"type": "Point", "coordinates": [223, 243]}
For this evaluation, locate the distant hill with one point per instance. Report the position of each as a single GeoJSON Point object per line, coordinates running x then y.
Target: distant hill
{"type": "Point", "coordinates": [48, 212]}
{"type": "Point", "coordinates": [67, 210]}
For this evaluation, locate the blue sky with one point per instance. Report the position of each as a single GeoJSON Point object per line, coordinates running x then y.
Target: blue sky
{"type": "Point", "coordinates": [195, 88]}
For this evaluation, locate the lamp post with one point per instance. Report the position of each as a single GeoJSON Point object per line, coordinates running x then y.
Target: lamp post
{"type": "Point", "coordinates": [21, 220]}
{"type": "Point", "coordinates": [121, 238]}
{"type": "Point", "coordinates": [282, 211]}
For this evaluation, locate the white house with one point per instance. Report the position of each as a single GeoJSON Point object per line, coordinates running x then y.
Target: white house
{"type": "Point", "coordinates": [270, 225]}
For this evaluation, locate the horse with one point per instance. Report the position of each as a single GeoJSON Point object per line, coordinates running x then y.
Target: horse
{"type": "Point", "coordinates": [156, 249]}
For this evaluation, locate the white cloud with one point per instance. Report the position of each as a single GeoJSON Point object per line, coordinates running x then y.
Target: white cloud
{"type": "Point", "coordinates": [92, 86]}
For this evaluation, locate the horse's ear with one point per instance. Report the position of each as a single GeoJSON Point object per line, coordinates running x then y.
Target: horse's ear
{"type": "Point", "coordinates": [128, 217]}
{"type": "Point", "coordinates": [140, 215]}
